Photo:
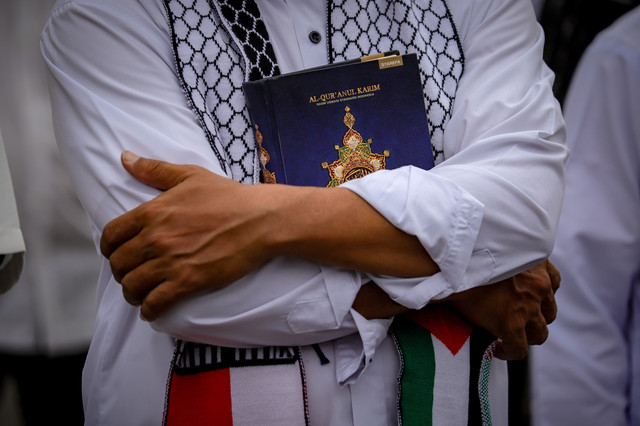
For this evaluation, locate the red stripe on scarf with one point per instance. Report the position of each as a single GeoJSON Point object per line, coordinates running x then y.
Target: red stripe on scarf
{"type": "Point", "coordinates": [200, 399]}
{"type": "Point", "coordinates": [445, 323]}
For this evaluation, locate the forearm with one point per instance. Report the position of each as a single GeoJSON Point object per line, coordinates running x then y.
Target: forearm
{"type": "Point", "coordinates": [337, 227]}
{"type": "Point", "coordinates": [96, 118]}
{"type": "Point", "coordinates": [503, 147]}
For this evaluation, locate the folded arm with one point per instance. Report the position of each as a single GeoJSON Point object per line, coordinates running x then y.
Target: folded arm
{"type": "Point", "coordinates": [100, 110]}
{"type": "Point", "coordinates": [97, 116]}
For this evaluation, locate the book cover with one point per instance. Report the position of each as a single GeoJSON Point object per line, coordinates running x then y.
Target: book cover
{"type": "Point", "coordinates": [327, 125]}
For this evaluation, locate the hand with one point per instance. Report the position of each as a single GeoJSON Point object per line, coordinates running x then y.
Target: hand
{"type": "Point", "coordinates": [206, 231]}
{"type": "Point", "coordinates": [372, 302]}
{"type": "Point", "coordinates": [516, 310]}
{"type": "Point", "coordinates": [202, 233]}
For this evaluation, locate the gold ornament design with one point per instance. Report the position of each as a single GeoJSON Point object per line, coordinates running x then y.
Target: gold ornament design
{"type": "Point", "coordinates": [355, 158]}
{"type": "Point", "coordinates": [267, 176]}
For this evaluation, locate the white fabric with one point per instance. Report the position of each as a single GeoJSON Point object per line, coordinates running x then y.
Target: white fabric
{"type": "Point", "coordinates": [50, 311]}
{"type": "Point", "coordinates": [505, 150]}
{"type": "Point", "coordinates": [452, 376]}
{"type": "Point", "coordinates": [11, 241]}
{"type": "Point", "coordinates": [588, 371]}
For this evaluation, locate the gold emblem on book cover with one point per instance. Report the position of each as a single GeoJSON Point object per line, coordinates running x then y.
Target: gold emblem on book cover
{"type": "Point", "coordinates": [355, 158]}
{"type": "Point", "coordinates": [267, 176]}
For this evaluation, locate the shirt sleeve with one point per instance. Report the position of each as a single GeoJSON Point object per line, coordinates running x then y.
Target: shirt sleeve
{"type": "Point", "coordinates": [113, 86]}
{"type": "Point", "coordinates": [490, 210]}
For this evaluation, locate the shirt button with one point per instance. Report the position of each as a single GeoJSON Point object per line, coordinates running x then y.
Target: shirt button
{"type": "Point", "coordinates": [315, 37]}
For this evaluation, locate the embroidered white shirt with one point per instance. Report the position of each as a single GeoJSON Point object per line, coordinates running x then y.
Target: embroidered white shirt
{"type": "Point", "coordinates": [487, 212]}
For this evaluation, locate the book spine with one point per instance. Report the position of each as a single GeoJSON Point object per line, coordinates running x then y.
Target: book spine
{"type": "Point", "coordinates": [257, 95]}
{"type": "Point", "coordinates": [272, 108]}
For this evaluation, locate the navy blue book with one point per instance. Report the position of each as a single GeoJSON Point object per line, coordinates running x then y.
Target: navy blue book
{"type": "Point", "coordinates": [327, 125]}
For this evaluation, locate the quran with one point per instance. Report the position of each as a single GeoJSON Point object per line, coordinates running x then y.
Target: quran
{"type": "Point", "coordinates": [326, 125]}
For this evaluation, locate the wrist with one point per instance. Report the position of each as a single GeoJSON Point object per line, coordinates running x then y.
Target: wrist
{"type": "Point", "coordinates": [294, 220]}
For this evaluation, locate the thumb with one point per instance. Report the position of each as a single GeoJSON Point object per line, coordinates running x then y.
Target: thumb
{"type": "Point", "coordinates": [156, 173]}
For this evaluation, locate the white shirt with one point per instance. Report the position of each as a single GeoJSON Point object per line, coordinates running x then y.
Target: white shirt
{"type": "Point", "coordinates": [497, 196]}
{"type": "Point", "coordinates": [588, 371]}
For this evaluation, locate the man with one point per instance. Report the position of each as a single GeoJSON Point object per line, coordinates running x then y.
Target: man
{"type": "Point", "coordinates": [589, 371]}
{"type": "Point", "coordinates": [486, 212]}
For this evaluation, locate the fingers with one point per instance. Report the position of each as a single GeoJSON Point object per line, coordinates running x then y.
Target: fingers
{"type": "Point", "coordinates": [548, 306]}
{"type": "Point", "coordinates": [549, 309]}
{"type": "Point", "coordinates": [554, 275]}
{"type": "Point", "coordinates": [513, 348]}
{"type": "Point", "coordinates": [537, 331]}
{"type": "Point", "coordinates": [125, 249]}
{"type": "Point", "coordinates": [118, 231]}
{"type": "Point", "coordinates": [156, 173]}
{"type": "Point", "coordinates": [516, 345]}
{"type": "Point", "coordinates": [163, 296]}
{"type": "Point", "coordinates": [146, 286]}
{"type": "Point", "coordinates": [139, 282]}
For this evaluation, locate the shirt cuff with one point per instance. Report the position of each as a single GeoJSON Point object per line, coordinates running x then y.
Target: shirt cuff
{"type": "Point", "coordinates": [442, 215]}
{"type": "Point", "coordinates": [329, 308]}
{"type": "Point", "coordinates": [355, 352]}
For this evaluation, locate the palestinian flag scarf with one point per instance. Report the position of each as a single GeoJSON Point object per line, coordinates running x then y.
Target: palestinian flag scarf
{"type": "Point", "coordinates": [445, 369]}
{"type": "Point", "coordinates": [211, 385]}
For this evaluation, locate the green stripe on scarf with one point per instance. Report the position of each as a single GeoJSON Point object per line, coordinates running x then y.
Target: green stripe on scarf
{"type": "Point", "coordinates": [418, 372]}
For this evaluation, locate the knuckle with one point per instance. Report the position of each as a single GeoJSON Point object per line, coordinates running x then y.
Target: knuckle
{"type": "Point", "coordinates": [154, 244]}
{"type": "Point", "coordinates": [154, 168]}
{"type": "Point", "coordinates": [537, 332]}
{"type": "Point", "coordinates": [147, 212]}
{"type": "Point", "coordinates": [150, 241]}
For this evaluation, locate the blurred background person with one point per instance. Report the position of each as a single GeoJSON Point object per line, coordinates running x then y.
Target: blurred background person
{"type": "Point", "coordinates": [11, 240]}
{"type": "Point", "coordinates": [588, 371]}
{"type": "Point", "coordinates": [46, 319]}
{"type": "Point", "coordinates": [569, 26]}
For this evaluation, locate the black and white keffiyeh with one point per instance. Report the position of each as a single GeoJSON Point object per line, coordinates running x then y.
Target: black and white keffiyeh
{"type": "Point", "coordinates": [363, 27]}
{"type": "Point", "coordinates": [220, 44]}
